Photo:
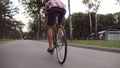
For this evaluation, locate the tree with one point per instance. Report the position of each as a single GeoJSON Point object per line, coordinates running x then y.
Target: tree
{"type": "Point", "coordinates": [93, 4]}
{"type": "Point", "coordinates": [89, 4]}
{"type": "Point", "coordinates": [35, 8]}
{"type": "Point", "coordinates": [6, 21]}
{"type": "Point", "coordinates": [70, 21]}
{"type": "Point", "coordinates": [97, 5]}
{"type": "Point", "coordinates": [80, 26]}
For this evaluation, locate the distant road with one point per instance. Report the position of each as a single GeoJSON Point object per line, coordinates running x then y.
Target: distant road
{"type": "Point", "coordinates": [33, 54]}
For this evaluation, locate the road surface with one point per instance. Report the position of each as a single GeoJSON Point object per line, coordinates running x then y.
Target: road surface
{"type": "Point", "coordinates": [33, 54]}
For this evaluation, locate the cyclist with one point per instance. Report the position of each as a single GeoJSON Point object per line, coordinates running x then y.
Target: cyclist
{"type": "Point", "coordinates": [53, 8]}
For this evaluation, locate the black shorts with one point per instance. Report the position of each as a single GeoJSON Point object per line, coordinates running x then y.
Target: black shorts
{"type": "Point", "coordinates": [52, 13]}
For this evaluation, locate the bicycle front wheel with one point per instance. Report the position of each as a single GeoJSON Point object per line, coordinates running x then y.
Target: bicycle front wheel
{"type": "Point", "coordinates": [61, 48]}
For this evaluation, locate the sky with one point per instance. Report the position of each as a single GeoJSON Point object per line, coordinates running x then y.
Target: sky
{"type": "Point", "coordinates": [107, 6]}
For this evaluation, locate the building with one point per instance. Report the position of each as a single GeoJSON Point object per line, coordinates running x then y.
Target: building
{"type": "Point", "coordinates": [109, 35]}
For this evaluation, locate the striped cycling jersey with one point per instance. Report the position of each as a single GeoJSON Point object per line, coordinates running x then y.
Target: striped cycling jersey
{"type": "Point", "coordinates": [54, 3]}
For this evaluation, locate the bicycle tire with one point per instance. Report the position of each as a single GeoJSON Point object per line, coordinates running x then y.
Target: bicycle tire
{"type": "Point", "coordinates": [62, 61]}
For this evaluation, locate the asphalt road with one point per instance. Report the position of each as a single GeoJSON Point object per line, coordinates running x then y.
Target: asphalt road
{"type": "Point", "coordinates": [33, 54]}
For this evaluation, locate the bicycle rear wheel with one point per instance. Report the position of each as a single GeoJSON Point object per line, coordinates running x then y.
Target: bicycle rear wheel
{"type": "Point", "coordinates": [61, 48]}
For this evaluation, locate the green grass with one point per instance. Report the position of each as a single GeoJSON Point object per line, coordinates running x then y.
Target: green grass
{"type": "Point", "coordinates": [2, 40]}
{"type": "Point", "coordinates": [102, 43]}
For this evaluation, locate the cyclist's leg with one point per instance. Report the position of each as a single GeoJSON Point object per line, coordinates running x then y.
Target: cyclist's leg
{"type": "Point", "coordinates": [49, 33]}
{"type": "Point", "coordinates": [61, 15]}
{"type": "Point", "coordinates": [50, 23]}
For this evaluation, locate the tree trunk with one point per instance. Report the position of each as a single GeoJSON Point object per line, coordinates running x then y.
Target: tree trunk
{"type": "Point", "coordinates": [96, 27]}
{"type": "Point", "coordinates": [39, 27]}
{"type": "Point", "coordinates": [70, 21]}
{"type": "Point", "coordinates": [91, 31]}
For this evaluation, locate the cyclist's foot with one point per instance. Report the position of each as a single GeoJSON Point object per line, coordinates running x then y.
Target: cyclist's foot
{"type": "Point", "coordinates": [50, 50]}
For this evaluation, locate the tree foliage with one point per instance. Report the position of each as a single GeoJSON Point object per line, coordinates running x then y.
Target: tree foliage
{"type": "Point", "coordinates": [9, 27]}
{"type": "Point", "coordinates": [35, 10]}
{"type": "Point", "coordinates": [81, 27]}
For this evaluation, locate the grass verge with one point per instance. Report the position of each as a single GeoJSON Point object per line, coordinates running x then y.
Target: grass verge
{"type": "Point", "coordinates": [101, 43]}
{"type": "Point", "coordinates": [2, 40]}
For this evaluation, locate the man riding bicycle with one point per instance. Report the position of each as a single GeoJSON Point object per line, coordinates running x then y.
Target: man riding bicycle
{"type": "Point", "coordinates": [53, 8]}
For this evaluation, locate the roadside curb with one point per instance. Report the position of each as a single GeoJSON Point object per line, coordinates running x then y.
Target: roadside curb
{"type": "Point", "coordinates": [116, 50]}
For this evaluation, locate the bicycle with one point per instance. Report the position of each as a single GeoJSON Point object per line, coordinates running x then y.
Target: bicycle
{"type": "Point", "coordinates": [60, 43]}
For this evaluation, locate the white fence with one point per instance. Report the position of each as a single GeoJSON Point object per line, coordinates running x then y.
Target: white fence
{"type": "Point", "coordinates": [112, 35]}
